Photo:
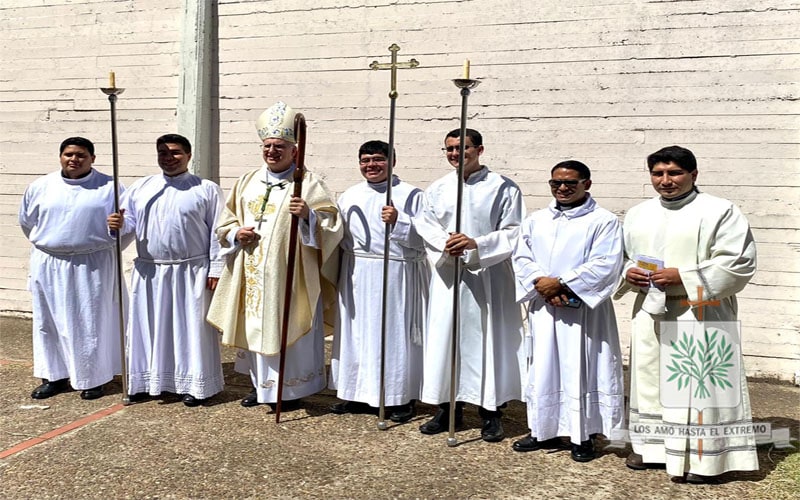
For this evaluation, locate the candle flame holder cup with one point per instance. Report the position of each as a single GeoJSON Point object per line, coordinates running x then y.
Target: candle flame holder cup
{"type": "Point", "coordinates": [466, 83]}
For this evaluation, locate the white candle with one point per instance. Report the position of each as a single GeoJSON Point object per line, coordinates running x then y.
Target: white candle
{"type": "Point", "coordinates": [466, 69]}
{"type": "Point", "coordinates": [112, 80]}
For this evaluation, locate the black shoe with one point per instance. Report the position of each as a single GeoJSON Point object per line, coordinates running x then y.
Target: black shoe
{"type": "Point", "coordinates": [441, 422]}
{"type": "Point", "coordinates": [530, 443]}
{"type": "Point", "coordinates": [492, 430]}
{"type": "Point", "coordinates": [290, 405]}
{"type": "Point", "coordinates": [138, 397]}
{"type": "Point", "coordinates": [251, 399]}
{"type": "Point", "coordinates": [49, 389]}
{"type": "Point", "coordinates": [93, 393]}
{"type": "Point", "coordinates": [192, 401]}
{"type": "Point", "coordinates": [692, 478]}
{"type": "Point", "coordinates": [403, 413]}
{"type": "Point", "coordinates": [354, 407]}
{"type": "Point", "coordinates": [583, 452]}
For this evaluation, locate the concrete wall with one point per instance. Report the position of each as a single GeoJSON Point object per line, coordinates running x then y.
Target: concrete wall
{"type": "Point", "coordinates": [604, 81]}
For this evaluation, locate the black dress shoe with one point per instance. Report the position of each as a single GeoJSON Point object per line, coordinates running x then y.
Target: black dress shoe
{"type": "Point", "coordinates": [138, 397]}
{"type": "Point", "coordinates": [492, 430]}
{"type": "Point", "coordinates": [692, 478]}
{"type": "Point", "coordinates": [192, 401]}
{"type": "Point", "coordinates": [93, 393]}
{"type": "Point", "coordinates": [403, 413]}
{"type": "Point", "coordinates": [289, 405]}
{"type": "Point", "coordinates": [583, 452]}
{"type": "Point", "coordinates": [530, 443]}
{"type": "Point", "coordinates": [441, 421]}
{"type": "Point", "coordinates": [354, 407]}
{"type": "Point", "coordinates": [49, 389]}
{"type": "Point", "coordinates": [251, 399]}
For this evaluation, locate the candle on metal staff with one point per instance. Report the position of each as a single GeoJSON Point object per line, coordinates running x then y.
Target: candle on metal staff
{"type": "Point", "coordinates": [465, 84]}
{"type": "Point", "coordinates": [112, 92]}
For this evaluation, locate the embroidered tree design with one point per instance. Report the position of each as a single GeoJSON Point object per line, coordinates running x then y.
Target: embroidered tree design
{"type": "Point", "coordinates": [700, 360]}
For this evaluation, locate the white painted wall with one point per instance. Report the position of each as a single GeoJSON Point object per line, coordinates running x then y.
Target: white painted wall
{"type": "Point", "coordinates": [603, 81]}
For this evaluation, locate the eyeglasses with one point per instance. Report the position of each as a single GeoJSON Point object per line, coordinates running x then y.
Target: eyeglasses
{"type": "Point", "coordinates": [450, 149]}
{"type": "Point", "coordinates": [279, 148]}
{"type": "Point", "coordinates": [377, 161]}
{"type": "Point", "coordinates": [556, 183]}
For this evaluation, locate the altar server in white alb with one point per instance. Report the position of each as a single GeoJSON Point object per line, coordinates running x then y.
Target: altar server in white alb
{"type": "Point", "coordinates": [490, 355]}
{"type": "Point", "coordinates": [699, 244]}
{"type": "Point", "coordinates": [567, 263]}
{"type": "Point", "coordinates": [254, 231]}
{"type": "Point", "coordinates": [356, 358]}
{"type": "Point", "coordinates": [73, 275]}
{"type": "Point", "coordinates": [171, 348]}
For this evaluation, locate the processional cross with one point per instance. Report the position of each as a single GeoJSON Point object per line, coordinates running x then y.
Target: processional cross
{"type": "Point", "coordinates": [413, 63]}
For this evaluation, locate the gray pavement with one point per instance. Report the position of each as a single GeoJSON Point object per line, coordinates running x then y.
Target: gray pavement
{"type": "Point", "coordinates": [162, 449]}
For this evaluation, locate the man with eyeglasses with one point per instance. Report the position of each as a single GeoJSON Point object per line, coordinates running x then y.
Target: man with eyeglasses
{"type": "Point", "coordinates": [253, 231]}
{"type": "Point", "coordinates": [567, 262]}
{"type": "Point", "coordinates": [491, 358]}
{"type": "Point", "coordinates": [172, 215]}
{"type": "Point", "coordinates": [356, 356]}
{"type": "Point", "coordinates": [686, 247]}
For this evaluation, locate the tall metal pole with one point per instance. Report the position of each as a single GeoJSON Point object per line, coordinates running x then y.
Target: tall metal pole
{"type": "Point", "coordinates": [465, 84]}
{"type": "Point", "coordinates": [112, 92]}
{"type": "Point", "coordinates": [413, 63]}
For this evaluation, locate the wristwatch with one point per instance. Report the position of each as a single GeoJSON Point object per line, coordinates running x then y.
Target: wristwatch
{"type": "Point", "coordinates": [562, 283]}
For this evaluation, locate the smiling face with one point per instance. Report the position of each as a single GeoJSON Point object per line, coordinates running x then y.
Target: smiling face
{"type": "Point", "coordinates": [472, 160]}
{"type": "Point", "coordinates": [76, 161]}
{"type": "Point", "coordinates": [173, 159]}
{"type": "Point", "coordinates": [671, 181]}
{"type": "Point", "coordinates": [567, 186]}
{"type": "Point", "coordinates": [278, 154]}
{"type": "Point", "coordinates": [373, 167]}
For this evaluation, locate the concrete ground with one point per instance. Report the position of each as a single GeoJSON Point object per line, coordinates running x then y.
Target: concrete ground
{"type": "Point", "coordinates": [162, 449]}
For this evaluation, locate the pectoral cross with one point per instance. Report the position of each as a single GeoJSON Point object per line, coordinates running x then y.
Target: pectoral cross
{"type": "Point", "coordinates": [394, 49]}
{"type": "Point", "coordinates": [270, 186]}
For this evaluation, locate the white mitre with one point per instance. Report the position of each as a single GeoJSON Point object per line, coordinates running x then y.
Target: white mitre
{"type": "Point", "coordinates": [277, 122]}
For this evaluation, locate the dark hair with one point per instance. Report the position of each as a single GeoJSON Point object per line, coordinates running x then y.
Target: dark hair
{"type": "Point", "coordinates": [575, 165]}
{"type": "Point", "coordinates": [681, 157]}
{"type": "Point", "coordinates": [175, 139]}
{"type": "Point", "coordinates": [374, 148]}
{"type": "Point", "coordinates": [474, 136]}
{"type": "Point", "coordinates": [77, 141]}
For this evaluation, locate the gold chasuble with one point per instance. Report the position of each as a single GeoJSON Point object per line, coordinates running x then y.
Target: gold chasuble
{"type": "Point", "coordinates": [248, 303]}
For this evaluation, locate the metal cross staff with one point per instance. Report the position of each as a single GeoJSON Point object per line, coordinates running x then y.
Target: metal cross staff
{"type": "Point", "coordinates": [393, 66]}
{"type": "Point", "coordinates": [465, 84]}
{"type": "Point", "coordinates": [700, 303]}
{"type": "Point", "coordinates": [112, 92]}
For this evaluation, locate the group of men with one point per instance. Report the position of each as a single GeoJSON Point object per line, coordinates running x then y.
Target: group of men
{"type": "Point", "coordinates": [206, 266]}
